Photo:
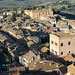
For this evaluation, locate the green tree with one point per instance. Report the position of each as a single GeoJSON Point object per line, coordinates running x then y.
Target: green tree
{"type": "Point", "coordinates": [13, 18]}
{"type": "Point", "coordinates": [20, 15]}
{"type": "Point", "coordinates": [58, 18]}
{"type": "Point", "coordinates": [42, 6]}
{"type": "Point", "coordinates": [33, 8]}
{"type": "Point", "coordinates": [69, 6]}
{"type": "Point", "coordinates": [25, 8]}
{"type": "Point", "coordinates": [14, 9]}
{"type": "Point", "coordinates": [22, 11]}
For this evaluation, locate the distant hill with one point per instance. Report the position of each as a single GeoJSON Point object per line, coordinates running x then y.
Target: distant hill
{"type": "Point", "coordinates": [20, 0]}
{"type": "Point", "coordinates": [35, 1]}
{"type": "Point", "coordinates": [7, 1]}
{"type": "Point", "coordinates": [5, 4]}
{"type": "Point", "coordinates": [22, 3]}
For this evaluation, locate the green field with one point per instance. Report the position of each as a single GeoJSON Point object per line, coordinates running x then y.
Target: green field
{"type": "Point", "coordinates": [26, 3]}
{"type": "Point", "coordinates": [22, 3]}
{"type": "Point", "coordinates": [59, 6]}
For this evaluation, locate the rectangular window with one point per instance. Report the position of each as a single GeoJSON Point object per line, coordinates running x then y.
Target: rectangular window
{"type": "Point", "coordinates": [61, 44]}
{"type": "Point", "coordinates": [52, 50]}
{"type": "Point", "coordinates": [52, 42]}
{"type": "Point", "coordinates": [55, 52]}
{"type": "Point", "coordinates": [23, 60]}
{"type": "Point", "coordinates": [61, 53]}
{"type": "Point", "coordinates": [69, 52]}
{"type": "Point", "coordinates": [68, 43]}
{"type": "Point", "coordinates": [55, 43]}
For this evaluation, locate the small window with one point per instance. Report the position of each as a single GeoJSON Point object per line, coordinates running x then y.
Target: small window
{"type": "Point", "coordinates": [68, 43]}
{"type": "Point", "coordinates": [54, 25]}
{"type": "Point", "coordinates": [61, 53]}
{"type": "Point", "coordinates": [55, 52]}
{"type": "Point", "coordinates": [61, 44]}
{"type": "Point", "coordinates": [55, 43]}
{"type": "Point", "coordinates": [23, 60]}
{"type": "Point", "coordinates": [52, 50]}
{"type": "Point", "coordinates": [69, 51]}
{"type": "Point", "coordinates": [52, 42]}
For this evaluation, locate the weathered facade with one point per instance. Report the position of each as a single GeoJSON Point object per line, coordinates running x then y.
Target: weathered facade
{"type": "Point", "coordinates": [35, 14]}
{"type": "Point", "coordinates": [27, 58]}
{"type": "Point", "coordinates": [62, 44]}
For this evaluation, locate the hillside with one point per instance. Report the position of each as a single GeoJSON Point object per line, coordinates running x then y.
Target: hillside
{"type": "Point", "coordinates": [9, 4]}
{"type": "Point", "coordinates": [22, 3]}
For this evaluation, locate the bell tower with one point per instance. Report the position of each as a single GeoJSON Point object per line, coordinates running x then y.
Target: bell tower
{"type": "Point", "coordinates": [50, 10]}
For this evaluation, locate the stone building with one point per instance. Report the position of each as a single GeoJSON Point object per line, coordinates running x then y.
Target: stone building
{"type": "Point", "coordinates": [62, 25]}
{"type": "Point", "coordinates": [9, 13]}
{"type": "Point", "coordinates": [62, 44]}
{"type": "Point", "coordinates": [27, 58]}
{"type": "Point", "coordinates": [71, 23]}
{"type": "Point", "coordinates": [35, 14]}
